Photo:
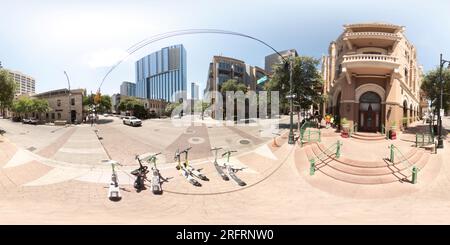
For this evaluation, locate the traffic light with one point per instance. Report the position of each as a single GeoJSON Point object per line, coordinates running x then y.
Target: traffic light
{"type": "Point", "coordinates": [97, 98]}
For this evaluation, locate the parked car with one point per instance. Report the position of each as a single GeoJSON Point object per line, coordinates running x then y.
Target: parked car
{"type": "Point", "coordinates": [132, 121]}
{"type": "Point", "coordinates": [30, 120]}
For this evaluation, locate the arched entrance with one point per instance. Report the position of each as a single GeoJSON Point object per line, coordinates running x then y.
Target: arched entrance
{"type": "Point", "coordinates": [369, 112]}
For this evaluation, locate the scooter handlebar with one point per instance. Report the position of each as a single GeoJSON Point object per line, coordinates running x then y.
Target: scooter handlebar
{"type": "Point", "coordinates": [216, 148]}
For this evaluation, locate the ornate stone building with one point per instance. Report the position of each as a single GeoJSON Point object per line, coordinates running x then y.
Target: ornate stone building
{"type": "Point", "coordinates": [372, 77]}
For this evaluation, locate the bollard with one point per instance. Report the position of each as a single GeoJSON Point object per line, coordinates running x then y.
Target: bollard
{"type": "Point", "coordinates": [338, 149]}
{"type": "Point", "coordinates": [417, 135]}
{"type": "Point", "coordinates": [423, 139]}
{"type": "Point", "coordinates": [392, 153]}
{"type": "Point", "coordinates": [320, 136]}
{"type": "Point", "coordinates": [312, 166]}
{"type": "Point", "coordinates": [414, 175]}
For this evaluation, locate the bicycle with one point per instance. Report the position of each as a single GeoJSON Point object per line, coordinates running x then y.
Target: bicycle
{"type": "Point", "coordinates": [231, 170]}
{"type": "Point", "coordinates": [217, 166]}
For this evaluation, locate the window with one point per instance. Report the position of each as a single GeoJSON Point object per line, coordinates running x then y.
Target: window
{"type": "Point", "coordinates": [72, 101]}
{"type": "Point", "coordinates": [59, 115]}
{"type": "Point", "coordinates": [53, 116]}
{"type": "Point", "coordinates": [58, 102]}
{"type": "Point", "coordinates": [46, 115]}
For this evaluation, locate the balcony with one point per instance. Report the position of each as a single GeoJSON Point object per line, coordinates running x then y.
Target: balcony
{"type": "Point", "coordinates": [370, 63]}
{"type": "Point", "coordinates": [372, 39]}
{"type": "Point", "coordinates": [372, 35]}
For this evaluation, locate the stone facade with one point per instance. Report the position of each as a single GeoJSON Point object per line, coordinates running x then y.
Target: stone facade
{"type": "Point", "coordinates": [64, 106]}
{"type": "Point", "coordinates": [372, 77]}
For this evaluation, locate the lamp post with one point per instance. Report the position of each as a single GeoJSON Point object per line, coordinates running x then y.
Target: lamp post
{"type": "Point", "coordinates": [291, 139]}
{"type": "Point", "coordinates": [441, 83]}
{"type": "Point", "coordinates": [70, 103]}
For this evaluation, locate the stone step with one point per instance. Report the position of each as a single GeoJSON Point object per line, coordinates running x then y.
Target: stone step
{"type": "Point", "coordinates": [388, 167]}
{"type": "Point", "coordinates": [369, 164]}
{"type": "Point", "coordinates": [371, 180]}
{"type": "Point", "coordinates": [369, 176]}
{"type": "Point", "coordinates": [368, 136]}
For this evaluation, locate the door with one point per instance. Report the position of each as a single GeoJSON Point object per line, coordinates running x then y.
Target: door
{"type": "Point", "coordinates": [73, 116]}
{"type": "Point", "coordinates": [369, 120]}
{"type": "Point", "coordinates": [369, 112]}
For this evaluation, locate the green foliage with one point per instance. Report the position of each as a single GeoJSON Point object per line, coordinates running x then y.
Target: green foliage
{"type": "Point", "coordinates": [134, 105]}
{"type": "Point", "coordinates": [29, 105]}
{"type": "Point", "coordinates": [233, 85]}
{"type": "Point", "coordinates": [431, 87]}
{"type": "Point", "coordinates": [344, 121]}
{"type": "Point", "coordinates": [170, 107]}
{"type": "Point", "coordinates": [7, 90]}
{"type": "Point", "coordinates": [306, 80]}
{"type": "Point", "coordinates": [104, 102]}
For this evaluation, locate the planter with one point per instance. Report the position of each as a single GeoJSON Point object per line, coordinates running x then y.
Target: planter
{"type": "Point", "coordinates": [345, 130]}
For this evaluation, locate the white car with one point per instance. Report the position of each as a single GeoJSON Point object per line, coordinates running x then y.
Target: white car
{"type": "Point", "coordinates": [132, 121]}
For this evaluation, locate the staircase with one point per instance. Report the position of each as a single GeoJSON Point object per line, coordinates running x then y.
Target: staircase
{"type": "Point", "coordinates": [368, 136]}
{"type": "Point", "coordinates": [366, 172]}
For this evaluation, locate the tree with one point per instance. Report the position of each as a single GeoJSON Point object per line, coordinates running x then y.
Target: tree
{"type": "Point", "coordinates": [233, 85]}
{"type": "Point", "coordinates": [26, 105]}
{"type": "Point", "coordinates": [170, 107]}
{"type": "Point", "coordinates": [40, 106]}
{"type": "Point", "coordinates": [7, 90]}
{"type": "Point", "coordinates": [105, 104]}
{"type": "Point", "coordinates": [432, 89]}
{"type": "Point", "coordinates": [134, 105]}
{"type": "Point", "coordinates": [306, 81]}
{"type": "Point", "coordinates": [201, 106]}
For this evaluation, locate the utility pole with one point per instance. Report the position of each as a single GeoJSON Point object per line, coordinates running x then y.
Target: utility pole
{"type": "Point", "coordinates": [291, 139]}
{"type": "Point", "coordinates": [70, 102]}
{"type": "Point", "coordinates": [441, 83]}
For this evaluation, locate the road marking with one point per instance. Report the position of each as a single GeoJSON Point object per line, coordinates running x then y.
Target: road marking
{"type": "Point", "coordinates": [265, 151]}
{"type": "Point", "coordinates": [82, 150]}
{"type": "Point", "coordinates": [20, 157]}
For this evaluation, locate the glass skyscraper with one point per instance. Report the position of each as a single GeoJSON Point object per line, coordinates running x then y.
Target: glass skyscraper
{"type": "Point", "coordinates": [162, 74]}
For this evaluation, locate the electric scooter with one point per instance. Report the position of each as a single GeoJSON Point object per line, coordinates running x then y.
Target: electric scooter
{"type": "Point", "coordinates": [156, 177]}
{"type": "Point", "coordinates": [186, 173]}
{"type": "Point", "coordinates": [114, 190]}
{"type": "Point", "coordinates": [231, 170]}
{"type": "Point", "coordinates": [217, 166]}
{"type": "Point", "coordinates": [141, 176]}
{"type": "Point", "coordinates": [191, 169]}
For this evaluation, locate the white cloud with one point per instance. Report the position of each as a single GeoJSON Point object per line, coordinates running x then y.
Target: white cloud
{"type": "Point", "coordinates": [106, 57]}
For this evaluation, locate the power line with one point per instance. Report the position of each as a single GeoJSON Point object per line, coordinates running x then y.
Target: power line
{"type": "Point", "coordinates": [162, 36]}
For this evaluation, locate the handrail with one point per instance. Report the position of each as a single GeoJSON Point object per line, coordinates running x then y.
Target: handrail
{"type": "Point", "coordinates": [404, 158]}
{"type": "Point", "coordinates": [313, 133]}
{"type": "Point", "coordinates": [326, 152]}
{"type": "Point", "coordinates": [370, 57]}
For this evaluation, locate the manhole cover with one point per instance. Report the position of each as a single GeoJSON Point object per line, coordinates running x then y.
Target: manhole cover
{"type": "Point", "coordinates": [31, 148]}
{"type": "Point", "coordinates": [156, 130]}
{"type": "Point", "coordinates": [196, 140]}
{"type": "Point", "coordinates": [244, 142]}
{"type": "Point", "coordinates": [189, 131]}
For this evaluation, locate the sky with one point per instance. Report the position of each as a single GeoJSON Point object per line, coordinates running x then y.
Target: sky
{"type": "Point", "coordinates": [86, 37]}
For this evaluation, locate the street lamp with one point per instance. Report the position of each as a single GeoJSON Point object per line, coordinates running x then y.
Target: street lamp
{"type": "Point", "coordinates": [70, 103]}
{"type": "Point", "coordinates": [291, 139]}
{"type": "Point", "coordinates": [441, 83]}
